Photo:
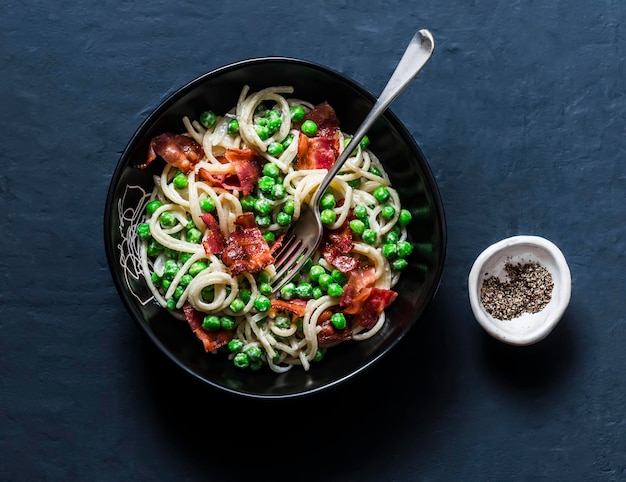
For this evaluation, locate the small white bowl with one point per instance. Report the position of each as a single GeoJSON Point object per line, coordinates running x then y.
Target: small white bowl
{"type": "Point", "coordinates": [529, 328]}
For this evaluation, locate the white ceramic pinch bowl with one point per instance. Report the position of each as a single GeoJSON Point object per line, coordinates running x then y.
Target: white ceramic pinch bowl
{"type": "Point", "coordinates": [528, 328]}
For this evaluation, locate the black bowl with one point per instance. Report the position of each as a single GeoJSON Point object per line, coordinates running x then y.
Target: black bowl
{"type": "Point", "coordinates": [390, 141]}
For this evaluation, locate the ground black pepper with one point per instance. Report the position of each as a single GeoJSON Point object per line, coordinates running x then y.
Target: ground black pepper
{"type": "Point", "coordinates": [528, 290]}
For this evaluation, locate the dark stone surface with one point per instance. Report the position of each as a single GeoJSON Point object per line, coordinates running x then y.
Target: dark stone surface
{"type": "Point", "coordinates": [521, 114]}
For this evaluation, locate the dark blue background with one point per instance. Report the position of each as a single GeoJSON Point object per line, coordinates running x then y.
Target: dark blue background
{"type": "Point", "coordinates": [521, 113]}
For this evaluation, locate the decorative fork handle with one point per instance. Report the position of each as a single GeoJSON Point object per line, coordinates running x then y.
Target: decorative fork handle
{"type": "Point", "coordinates": [416, 55]}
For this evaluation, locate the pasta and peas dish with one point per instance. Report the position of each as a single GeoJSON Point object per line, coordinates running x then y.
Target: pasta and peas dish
{"type": "Point", "coordinates": [231, 186]}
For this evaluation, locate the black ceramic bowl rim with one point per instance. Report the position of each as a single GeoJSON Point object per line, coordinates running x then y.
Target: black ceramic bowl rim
{"type": "Point", "coordinates": [165, 105]}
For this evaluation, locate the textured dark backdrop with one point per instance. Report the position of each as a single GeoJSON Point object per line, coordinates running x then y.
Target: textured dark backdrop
{"type": "Point", "coordinates": [521, 114]}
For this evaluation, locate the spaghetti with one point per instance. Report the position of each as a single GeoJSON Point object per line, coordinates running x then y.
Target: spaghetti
{"type": "Point", "coordinates": [230, 187]}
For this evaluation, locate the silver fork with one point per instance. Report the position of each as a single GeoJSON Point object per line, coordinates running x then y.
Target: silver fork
{"type": "Point", "coordinates": [305, 235]}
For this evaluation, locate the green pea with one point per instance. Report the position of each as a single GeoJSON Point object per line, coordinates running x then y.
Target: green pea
{"type": "Point", "coordinates": [263, 132]}
{"type": "Point", "coordinates": [374, 170]}
{"type": "Point", "coordinates": [304, 290]}
{"type": "Point", "coordinates": [316, 271]}
{"type": "Point", "coordinates": [328, 216]}
{"type": "Point", "coordinates": [354, 183]}
{"type": "Point", "coordinates": [171, 304]}
{"type": "Point", "coordinates": [170, 269]}
{"type": "Point", "coordinates": [248, 202]}
{"type": "Point", "coordinates": [227, 323]}
{"type": "Point", "coordinates": [404, 217]}
{"type": "Point", "coordinates": [381, 193]}
{"type": "Point", "coordinates": [235, 345]}
{"type": "Point", "coordinates": [233, 127]}
{"type": "Point", "coordinates": [143, 231]}
{"type": "Point", "coordinates": [309, 128]}
{"type": "Point", "coordinates": [275, 149]}
{"type": "Point", "coordinates": [263, 276]}
{"type": "Point", "coordinates": [265, 289]}
{"type": "Point", "coordinates": [184, 257]}
{"type": "Point", "coordinates": [287, 141]}
{"type": "Point", "coordinates": [196, 267]}
{"type": "Point", "coordinates": [262, 303]}
{"type": "Point", "coordinates": [260, 121]}
{"type": "Point", "coordinates": [194, 236]}
{"type": "Point", "coordinates": [404, 249]}
{"type": "Point", "coordinates": [156, 279]}
{"type": "Point", "coordinates": [338, 320]}
{"type": "Point", "coordinates": [254, 353]}
{"type": "Point", "coordinates": [289, 206]}
{"type": "Point", "coordinates": [263, 206]}
{"type": "Point", "coordinates": [364, 142]}
{"type": "Point", "coordinates": [317, 293]}
{"type": "Point", "coordinates": [166, 283]}
{"type": "Point", "coordinates": [399, 264]}
{"type": "Point", "coordinates": [392, 237]}
{"type": "Point", "coordinates": [237, 305]}
{"type": "Point", "coordinates": [241, 360]}
{"type": "Point", "coordinates": [278, 191]}
{"type": "Point", "coordinates": [283, 322]}
{"type": "Point", "coordinates": [390, 251]}
{"type": "Point", "coordinates": [274, 123]}
{"type": "Point", "coordinates": [208, 293]}
{"type": "Point", "coordinates": [185, 280]}
{"type": "Point", "coordinates": [288, 291]}
{"type": "Point", "coordinates": [180, 180]}
{"type": "Point", "coordinates": [208, 119]}
{"type": "Point", "coordinates": [256, 365]}
{"type": "Point", "coordinates": [283, 219]}
{"type": "Point", "coordinates": [245, 295]}
{"type": "Point", "coordinates": [266, 183]}
{"type": "Point", "coordinates": [328, 201]}
{"type": "Point", "coordinates": [269, 237]}
{"type": "Point", "coordinates": [263, 221]}
{"type": "Point", "coordinates": [369, 236]}
{"type": "Point", "coordinates": [167, 219]}
{"type": "Point", "coordinates": [319, 355]}
{"type": "Point", "coordinates": [335, 290]}
{"type": "Point", "coordinates": [388, 212]}
{"type": "Point", "coordinates": [178, 292]}
{"type": "Point", "coordinates": [207, 204]}
{"type": "Point", "coordinates": [360, 211]}
{"type": "Point", "coordinates": [324, 281]}
{"type": "Point", "coordinates": [338, 277]}
{"type": "Point", "coordinates": [152, 206]}
{"type": "Point", "coordinates": [297, 113]}
{"type": "Point", "coordinates": [211, 323]}
{"type": "Point", "coordinates": [357, 226]}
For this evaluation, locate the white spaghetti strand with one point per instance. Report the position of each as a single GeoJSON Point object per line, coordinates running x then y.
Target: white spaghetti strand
{"type": "Point", "coordinates": [198, 222]}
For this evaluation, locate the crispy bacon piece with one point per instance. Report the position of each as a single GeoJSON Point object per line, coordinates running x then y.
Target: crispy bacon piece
{"type": "Point", "coordinates": [212, 340]}
{"type": "Point", "coordinates": [247, 166]}
{"type": "Point", "coordinates": [356, 289]}
{"type": "Point", "coordinates": [179, 150]}
{"type": "Point", "coordinates": [317, 152]}
{"type": "Point", "coordinates": [213, 240]}
{"type": "Point", "coordinates": [296, 306]}
{"type": "Point", "coordinates": [325, 118]}
{"type": "Point", "coordinates": [336, 244]}
{"type": "Point", "coordinates": [328, 333]}
{"type": "Point", "coordinates": [246, 250]}
{"type": "Point", "coordinates": [320, 152]}
{"type": "Point", "coordinates": [376, 302]}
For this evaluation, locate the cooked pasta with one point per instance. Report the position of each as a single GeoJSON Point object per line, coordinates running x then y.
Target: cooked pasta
{"type": "Point", "coordinates": [230, 187]}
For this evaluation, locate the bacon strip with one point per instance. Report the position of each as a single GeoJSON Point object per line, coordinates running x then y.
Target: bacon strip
{"type": "Point", "coordinates": [320, 152]}
{"type": "Point", "coordinates": [179, 150]}
{"type": "Point", "coordinates": [246, 250]}
{"type": "Point", "coordinates": [357, 288]}
{"type": "Point", "coordinates": [213, 240]}
{"type": "Point", "coordinates": [336, 244]}
{"type": "Point", "coordinates": [296, 306]}
{"type": "Point", "coordinates": [328, 333]}
{"type": "Point", "coordinates": [212, 340]}
{"type": "Point", "coordinates": [247, 166]}
{"type": "Point", "coordinates": [376, 302]}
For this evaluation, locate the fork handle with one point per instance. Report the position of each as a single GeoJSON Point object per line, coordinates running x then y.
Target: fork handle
{"type": "Point", "coordinates": [416, 55]}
